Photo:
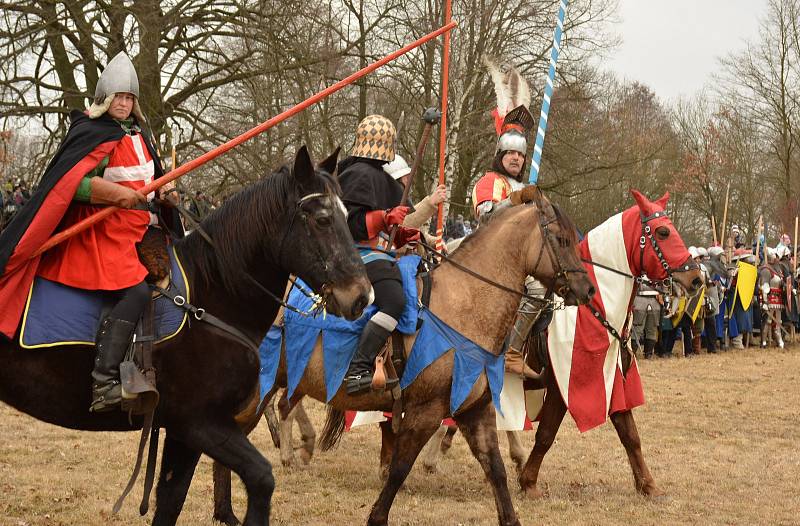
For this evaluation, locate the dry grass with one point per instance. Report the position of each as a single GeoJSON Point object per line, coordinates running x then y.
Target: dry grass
{"type": "Point", "coordinates": [719, 435]}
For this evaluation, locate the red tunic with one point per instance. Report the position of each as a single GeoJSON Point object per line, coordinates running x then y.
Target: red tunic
{"type": "Point", "coordinates": [491, 187]}
{"type": "Point", "coordinates": [103, 257]}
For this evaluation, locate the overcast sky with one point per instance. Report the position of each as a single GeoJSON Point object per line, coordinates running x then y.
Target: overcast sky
{"type": "Point", "coordinates": [673, 45]}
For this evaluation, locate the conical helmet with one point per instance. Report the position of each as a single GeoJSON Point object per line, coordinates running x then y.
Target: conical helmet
{"type": "Point", "coordinates": [118, 77]}
{"type": "Point", "coordinates": [375, 139]}
{"type": "Point", "coordinates": [514, 131]}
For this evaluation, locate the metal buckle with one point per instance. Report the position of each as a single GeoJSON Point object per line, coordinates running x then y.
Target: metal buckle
{"type": "Point", "coordinates": [179, 300]}
{"type": "Point", "coordinates": [199, 313]}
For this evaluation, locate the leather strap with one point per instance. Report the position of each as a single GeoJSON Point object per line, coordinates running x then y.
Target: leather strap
{"type": "Point", "coordinates": [200, 314]}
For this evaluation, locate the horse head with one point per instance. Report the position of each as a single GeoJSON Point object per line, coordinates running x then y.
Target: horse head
{"type": "Point", "coordinates": [553, 255]}
{"type": "Point", "coordinates": [317, 245]}
{"type": "Point", "coordinates": [662, 252]}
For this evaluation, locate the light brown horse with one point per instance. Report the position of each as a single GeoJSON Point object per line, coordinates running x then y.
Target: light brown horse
{"type": "Point", "coordinates": [668, 261]}
{"type": "Point", "coordinates": [517, 242]}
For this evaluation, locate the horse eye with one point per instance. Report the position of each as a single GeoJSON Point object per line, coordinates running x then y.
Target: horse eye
{"type": "Point", "coordinates": [324, 220]}
{"type": "Point", "coordinates": [662, 233]}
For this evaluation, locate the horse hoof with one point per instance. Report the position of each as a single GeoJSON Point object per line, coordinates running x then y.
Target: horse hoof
{"type": "Point", "coordinates": [534, 492]}
{"type": "Point", "coordinates": [228, 519]}
{"type": "Point", "coordinates": [305, 457]}
{"type": "Point", "coordinates": [655, 495]}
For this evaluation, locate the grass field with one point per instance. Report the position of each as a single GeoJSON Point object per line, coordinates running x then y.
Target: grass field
{"type": "Point", "coordinates": [719, 433]}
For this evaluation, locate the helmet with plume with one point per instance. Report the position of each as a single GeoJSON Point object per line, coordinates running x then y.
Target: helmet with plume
{"type": "Point", "coordinates": [513, 120]}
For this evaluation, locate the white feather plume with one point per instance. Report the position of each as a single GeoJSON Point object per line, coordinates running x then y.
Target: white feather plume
{"type": "Point", "coordinates": [504, 101]}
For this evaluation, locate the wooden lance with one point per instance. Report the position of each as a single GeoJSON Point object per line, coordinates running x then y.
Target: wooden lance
{"type": "Point", "coordinates": [714, 230]}
{"type": "Point", "coordinates": [725, 214]}
{"type": "Point", "coordinates": [431, 117]}
{"type": "Point", "coordinates": [261, 128]}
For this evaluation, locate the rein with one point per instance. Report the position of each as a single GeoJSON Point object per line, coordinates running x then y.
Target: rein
{"type": "Point", "coordinates": [483, 278]}
{"type": "Point", "coordinates": [319, 301]}
{"type": "Point", "coordinates": [660, 285]}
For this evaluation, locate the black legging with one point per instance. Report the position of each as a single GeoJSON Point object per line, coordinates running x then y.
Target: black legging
{"type": "Point", "coordinates": [388, 286]}
{"type": "Point", "coordinates": [130, 303]}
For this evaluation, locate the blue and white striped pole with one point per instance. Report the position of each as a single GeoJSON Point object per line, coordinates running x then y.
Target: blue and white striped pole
{"type": "Point", "coordinates": [548, 93]}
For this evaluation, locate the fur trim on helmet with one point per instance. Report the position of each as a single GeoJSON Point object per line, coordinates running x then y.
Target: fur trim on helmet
{"type": "Point", "coordinates": [99, 108]}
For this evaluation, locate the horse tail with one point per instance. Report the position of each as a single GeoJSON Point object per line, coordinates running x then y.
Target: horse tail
{"type": "Point", "coordinates": [333, 430]}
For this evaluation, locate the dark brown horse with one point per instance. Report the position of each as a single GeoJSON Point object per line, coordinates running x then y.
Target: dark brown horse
{"type": "Point", "coordinates": [290, 222]}
{"type": "Point", "coordinates": [517, 242]}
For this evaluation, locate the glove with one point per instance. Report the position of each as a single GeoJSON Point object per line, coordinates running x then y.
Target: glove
{"type": "Point", "coordinates": [104, 192]}
{"type": "Point", "coordinates": [406, 236]}
{"type": "Point", "coordinates": [526, 195]}
{"type": "Point", "coordinates": [396, 215]}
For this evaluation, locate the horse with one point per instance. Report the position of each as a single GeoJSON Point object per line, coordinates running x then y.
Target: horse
{"type": "Point", "coordinates": [486, 273]}
{"type": "Point", "coordinates": [652, 247]}
{"type": "Point", "coordinates": [292, 221]}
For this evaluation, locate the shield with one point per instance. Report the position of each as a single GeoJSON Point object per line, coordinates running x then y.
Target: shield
{"type": "Point", "coordinates": [676, 318]}
{"type": "Point", "coordinates": [745, 284]}
{"type": "Point", "coordinates": [695, 304]}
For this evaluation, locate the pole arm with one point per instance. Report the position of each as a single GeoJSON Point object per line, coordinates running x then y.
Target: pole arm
{"type": "Point", "coordinates": [432, 116]}
{"type": "Point", "coordinates": [261, 128]}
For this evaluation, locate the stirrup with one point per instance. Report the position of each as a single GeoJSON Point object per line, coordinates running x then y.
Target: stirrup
{"type": "Point", "coordinates": [361, 383]}
{"type": "Point", "coordinates": [106, 397]}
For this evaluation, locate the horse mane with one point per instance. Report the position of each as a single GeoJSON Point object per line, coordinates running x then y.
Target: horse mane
{"type": "Point", "coordinates": [565, 224]}
{"type": "Point", "coordinates": [245, 227]}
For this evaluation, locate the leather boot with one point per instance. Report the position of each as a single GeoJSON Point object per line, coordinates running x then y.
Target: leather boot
{"type": "Point", "coordinates": [359, 375]}
{"type": "Point", "coordinates": [649, 347]}
{"type": "Point", "coordinates": [516, 365]}
{"type": "Point", "coordinates": [696, 344]}
{"type": "Point", "coordinates": [112, 342]}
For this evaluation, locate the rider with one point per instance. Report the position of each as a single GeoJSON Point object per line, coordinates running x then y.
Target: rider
{"type": "Point", "coordinates": [372, 198]}
{"type": "Point", "coordinates": [105, 157]}
{"type": "Point", "coordinates": [500, 187]}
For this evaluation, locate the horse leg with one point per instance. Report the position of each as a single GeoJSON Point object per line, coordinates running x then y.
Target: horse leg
{"type": "Point", "coordinates": [286, 417]}
{"type": "Point", "coordinates": [515, 449]}
{"type": "Point", "coordinates": [478, 425]}
{"type": "Point", "coordinates": [447, 441]}
{"type": "Point", "coordinates": [387, 447]}
{"type": "Point", "coordinates": [177, 468]}
{"type": "Point", "coordinates": [417, 427]}
{"type": "Point", "coordinates": [552, 414]}
{"type": "Point", "coordinates": [223, 512]}
{"type": "Point", "coordinates": [227, 444]}
{"type": "Point", "coordinates": [308, 434]}
{"type": "Point", "coordinates": [629, 436]}
{"type": "Point", "coordinates": [432, 451]}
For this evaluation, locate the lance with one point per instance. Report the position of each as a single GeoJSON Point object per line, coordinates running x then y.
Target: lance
{"type": "Point", "coordinates": [725, 214]}
{"type": "Point", "coordinates": [548, 92]}
{"type": "Point", "coordinates": [794, 248]}
{"type": "Point", "coordinates": [261, 128]}
{"type": "Point", "coordinates": [448, 13]}
{"type": "Point", "coordinates": [431, 118]}
{"type": "Point", "coordinates": [714, 230]}
{"type": "Point", "coordinates": [758, 239]}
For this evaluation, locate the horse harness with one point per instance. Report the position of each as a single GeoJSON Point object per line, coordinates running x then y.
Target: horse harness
{"type": "Point", "coordinates": [661, 285]}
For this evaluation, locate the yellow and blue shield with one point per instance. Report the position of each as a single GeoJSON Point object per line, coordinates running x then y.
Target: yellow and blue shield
{"type": "Point", "coordinates": [745, 284]}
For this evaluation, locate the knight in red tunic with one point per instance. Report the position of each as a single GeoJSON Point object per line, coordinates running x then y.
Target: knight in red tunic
{"type": "Point", "coordinates": [503, 186]}
{"type": "Point", "coordinates": [104, 159]}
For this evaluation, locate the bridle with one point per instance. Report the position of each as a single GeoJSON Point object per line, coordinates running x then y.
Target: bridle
{"type": "Point", "coordinates": [550, 245]}
{"type": "Point", "coordinates": [319, 301]}
{"type": "Point", "coordinates": [547, 216]}
{"type": "Point", "coordinates": [664, 285]}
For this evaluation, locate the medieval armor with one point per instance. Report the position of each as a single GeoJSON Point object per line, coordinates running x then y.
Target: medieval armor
{"type": "Point", "coordinates": [376, 139]}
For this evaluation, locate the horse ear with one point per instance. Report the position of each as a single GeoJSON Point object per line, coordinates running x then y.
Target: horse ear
{"type": "Point", "coordinates": [662, 202]}
{"type": "Point", "coordinates": [643, 203]}
{"type": "Point", "coordinates": [303, 167]}
{"type": "Point", "coordinates": [329, 164]}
